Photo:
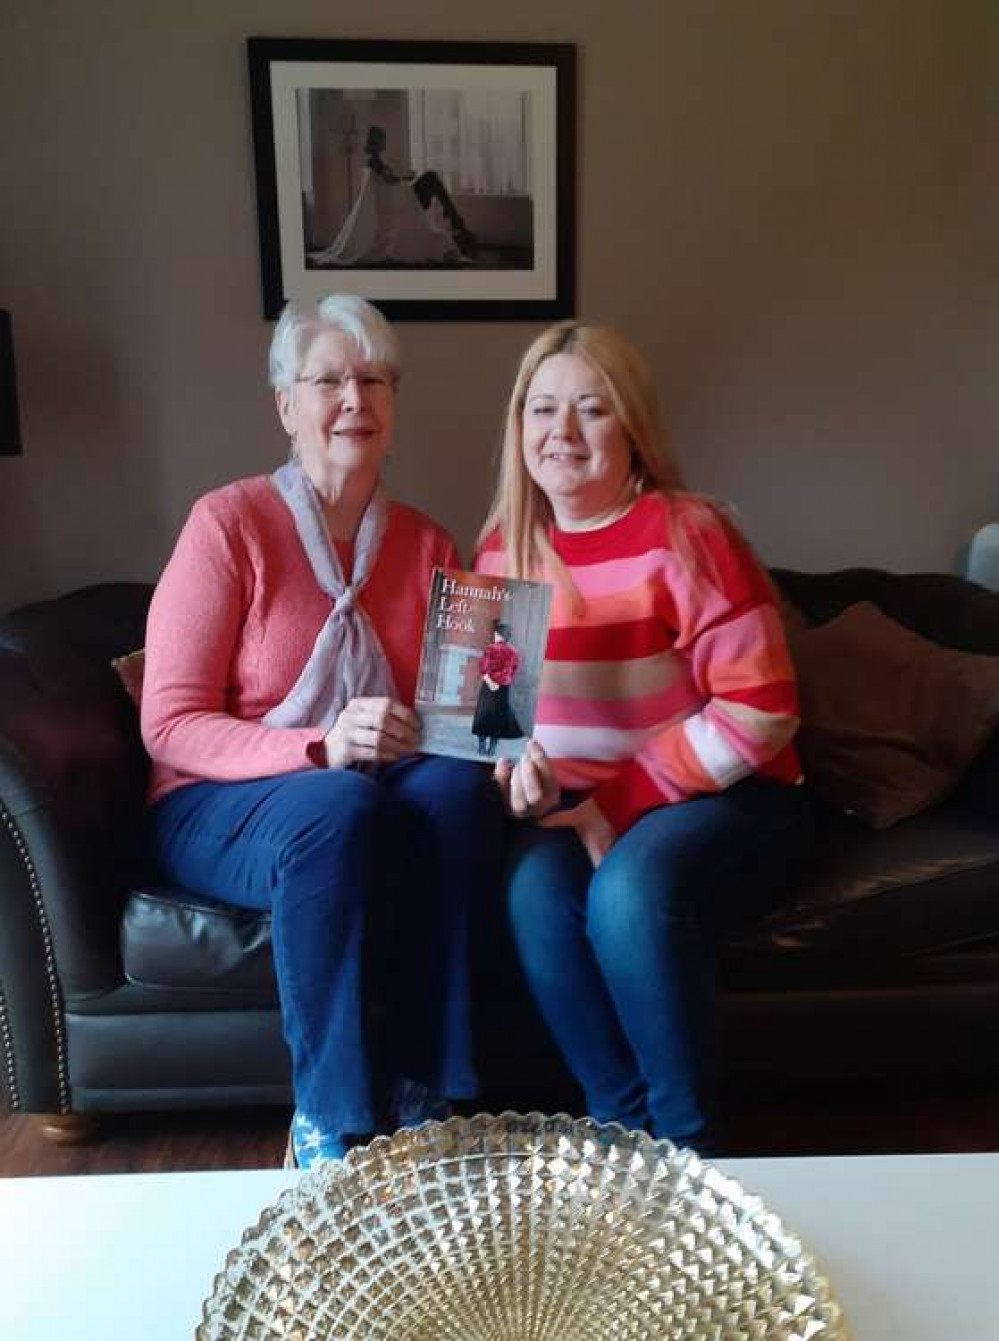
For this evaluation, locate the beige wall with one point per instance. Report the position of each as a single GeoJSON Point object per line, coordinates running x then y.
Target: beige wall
{"type": "Point", "coordinates": [786, 202]}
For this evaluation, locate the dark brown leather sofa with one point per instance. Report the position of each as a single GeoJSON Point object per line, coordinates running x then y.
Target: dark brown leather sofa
{"type": "Point", "coordinates": [115, 995]}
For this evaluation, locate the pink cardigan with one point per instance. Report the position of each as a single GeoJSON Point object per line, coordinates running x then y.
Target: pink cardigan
{"type": "Point", "coordinates": [232, 623]}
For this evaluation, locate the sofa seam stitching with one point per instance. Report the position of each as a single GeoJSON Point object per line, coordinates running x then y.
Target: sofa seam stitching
{"type": "Point", "coordinates": [8, 1049]}
{"type": "Point", "coordinates": [53, 982]}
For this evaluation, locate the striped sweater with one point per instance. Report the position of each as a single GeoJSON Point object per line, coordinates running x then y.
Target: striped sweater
{"type": "Point", "coordinates": [671, 678]}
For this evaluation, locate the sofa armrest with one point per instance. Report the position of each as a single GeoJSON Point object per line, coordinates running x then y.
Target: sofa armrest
{"type": "Point", "coordinates": [72, 782]}
{"type": "Point", "coordinates": [32, 1034]}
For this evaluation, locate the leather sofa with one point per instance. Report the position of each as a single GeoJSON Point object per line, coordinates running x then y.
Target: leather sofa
{"type": "Point", "coordinates": [116, 994]}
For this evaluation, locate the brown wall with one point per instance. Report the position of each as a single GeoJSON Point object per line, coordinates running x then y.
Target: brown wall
{"type": "Point", "coordinates": [788, 203]}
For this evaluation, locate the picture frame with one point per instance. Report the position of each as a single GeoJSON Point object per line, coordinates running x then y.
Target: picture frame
{"type": "Point", "coordinates": [435, 179]}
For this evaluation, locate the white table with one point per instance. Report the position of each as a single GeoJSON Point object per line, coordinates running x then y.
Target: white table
{"type": "Point", "coordinates": [909, 1241]}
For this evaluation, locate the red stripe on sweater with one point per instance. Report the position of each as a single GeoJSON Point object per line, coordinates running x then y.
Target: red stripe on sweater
{"type": "Point", "coordinates": [779, 696]}
{"type": "Point", "coordinates": [608, 642]}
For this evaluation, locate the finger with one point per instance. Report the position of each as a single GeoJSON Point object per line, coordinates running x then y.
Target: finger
{"type": "Point", "coordinates": [386, 746]}
{"type": "Point", "coordinates": [532, 783]}
{"type": "Point", "coordinates": [387, 725]}
{"type": "Point", "coordinates": [356, 737]}
{"type": "Point", "coordinates": [536, 759]}
{"type": "Point", "coordinates": [502, 775]}
{"type": "Point", "coordinates": [594, 849]}
{"type": "Point", "coordinates": [536, 753]}
{"type": "Point", "coordinates": [559, 819]}
{"type": "Point", "coordinates": [399, 712]}
{"type": "Point", "coordinates": [382, 712]}
{"type": "Point", "coordinates": [403, 741]}
{"type": "Point", "coordinates": [517, 802]}
{"type": "Point", "coordinates": [357, 753]}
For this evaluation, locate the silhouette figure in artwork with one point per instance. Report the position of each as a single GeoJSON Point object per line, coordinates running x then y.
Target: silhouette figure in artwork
{"type": "Point", "coordinates": [494, 718]}
{"type": "Point", "coordinates": [398, 217]}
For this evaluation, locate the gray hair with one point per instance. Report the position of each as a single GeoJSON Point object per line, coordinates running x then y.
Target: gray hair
{"type": "Point", "coordinates": [298, 325]}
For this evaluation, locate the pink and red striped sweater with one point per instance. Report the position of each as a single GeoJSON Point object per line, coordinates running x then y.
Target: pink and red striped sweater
{"type": "Point", "coordinates": [671, 678]}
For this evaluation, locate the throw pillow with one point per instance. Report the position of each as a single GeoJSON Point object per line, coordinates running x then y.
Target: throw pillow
{"type": "Point", "coordinates": [890, 720]}
{"type": "Point", "coordinates": [130, 670]}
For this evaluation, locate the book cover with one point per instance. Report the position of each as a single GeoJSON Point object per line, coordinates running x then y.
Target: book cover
{"type": "Point", "coordinates": [483, 648]}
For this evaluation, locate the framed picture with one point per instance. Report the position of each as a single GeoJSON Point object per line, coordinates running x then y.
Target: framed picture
{"type": "Point", "coordinates": [433, 178]}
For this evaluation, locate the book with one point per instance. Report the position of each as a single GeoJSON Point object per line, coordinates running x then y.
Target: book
{"type": "Point", "coordinates": [480, 666]}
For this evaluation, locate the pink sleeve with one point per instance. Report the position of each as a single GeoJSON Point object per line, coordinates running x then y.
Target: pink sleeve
{"type": "Point", "coordinates": [449, 557]}
{"type": "Point", "coordinates": [731, 633]}
{"type": "Point", "coordinates": [195, 623]}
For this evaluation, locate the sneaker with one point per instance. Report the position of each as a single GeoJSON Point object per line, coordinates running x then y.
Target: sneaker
{"type": "Point", "coordinates": [309, 1145]}
{"type": "Point", "coordinates": [414, 1103]}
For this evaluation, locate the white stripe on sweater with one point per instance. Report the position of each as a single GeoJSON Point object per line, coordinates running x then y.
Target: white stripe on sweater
{"type": "Point", "coordinates": [719, 759]}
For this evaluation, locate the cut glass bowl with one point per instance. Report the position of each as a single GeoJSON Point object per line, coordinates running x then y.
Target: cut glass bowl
{"type": "Point", "coordinates": [520, 1228]}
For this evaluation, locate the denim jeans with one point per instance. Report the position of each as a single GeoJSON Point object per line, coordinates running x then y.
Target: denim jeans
{"type": "Point", "coordinates": [621, 959]}
{"type": "Point", "coordinates": [369, 878]}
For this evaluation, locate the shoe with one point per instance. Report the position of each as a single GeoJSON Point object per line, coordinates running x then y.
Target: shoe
{"type": "Point", "coordinates": [414, 1103]}
{"type": "Point", "coordinates": [309, 1145]}
{"type": "Point", "coordinates": [466, 241]}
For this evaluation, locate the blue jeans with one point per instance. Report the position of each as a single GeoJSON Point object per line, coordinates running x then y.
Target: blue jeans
{"type": "Point", "coordinates": [369, 879]}
{"type": "Point", "coordinates": [621, 959]}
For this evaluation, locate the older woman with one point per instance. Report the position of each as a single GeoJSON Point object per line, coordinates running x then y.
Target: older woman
{"type": "Point", "coordinates": [281, 661]}
{"type": "Point", "coordinates": [661, 776]}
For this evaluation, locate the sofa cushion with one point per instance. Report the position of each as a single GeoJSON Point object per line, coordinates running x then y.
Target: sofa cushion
{"type": "Point", "coordinates": [130, 670]}
{"type": "Point", "coordinates": [175, 939]}
{"type": "Point", "coordinates": [875, 906]}
{"type": "Point", "coordinates": [890, 720]}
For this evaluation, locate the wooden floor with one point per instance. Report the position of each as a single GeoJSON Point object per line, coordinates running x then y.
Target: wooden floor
{"type": "Point", "coordinates": [880, 1119]}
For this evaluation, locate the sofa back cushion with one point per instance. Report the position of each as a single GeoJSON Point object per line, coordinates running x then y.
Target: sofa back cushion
{"type": "Point", "coordinates": [946, 609]}
{"type": "Point", "coordinates": [890, 720]}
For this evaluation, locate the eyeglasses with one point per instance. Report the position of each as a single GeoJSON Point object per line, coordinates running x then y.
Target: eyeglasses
{"type": "Point", "coordinates": [334, 384]}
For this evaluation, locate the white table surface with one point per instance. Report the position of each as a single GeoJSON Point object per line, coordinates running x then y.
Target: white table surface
{"type": "Point", "coordinates": [910, 1243]}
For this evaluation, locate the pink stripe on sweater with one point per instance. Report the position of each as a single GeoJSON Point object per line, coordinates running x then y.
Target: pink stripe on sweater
{"type": "Point", "coordinates": [612, 577]}
{"type": "Point", "coordinates": [747, 650]}
{"type": "Point", "coordinates": [629, 714]}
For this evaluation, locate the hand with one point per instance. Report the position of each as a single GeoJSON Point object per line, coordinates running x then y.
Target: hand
{"type": "Point", "coordinates": [529, 787]}
{"type": "Point", "coordinates": [371, 730]}
{"type": "Point", "coordinates": [592, 829]}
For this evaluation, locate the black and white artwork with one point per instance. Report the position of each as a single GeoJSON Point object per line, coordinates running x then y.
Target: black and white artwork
{"type": "Point", "coordinates": [416, 178]}
{"type": "Point", "coordinates": [434, 179]}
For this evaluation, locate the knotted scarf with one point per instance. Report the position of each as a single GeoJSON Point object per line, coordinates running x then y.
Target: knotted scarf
{"type": "Point", "coordinates": [347, 659]}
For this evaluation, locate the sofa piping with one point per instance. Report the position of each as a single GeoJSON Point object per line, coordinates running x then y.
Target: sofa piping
{"type": "Point", "coordinates": [50, 972]}
{"type": "Point", "coordinates": [8, 1052]}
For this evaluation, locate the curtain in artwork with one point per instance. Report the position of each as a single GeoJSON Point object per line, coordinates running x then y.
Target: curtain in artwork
{"type": "Point", "coordinates": [477, 142]}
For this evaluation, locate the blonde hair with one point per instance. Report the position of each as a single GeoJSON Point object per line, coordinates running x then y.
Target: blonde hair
{"type": "Point", "coordinates": [519, 508]}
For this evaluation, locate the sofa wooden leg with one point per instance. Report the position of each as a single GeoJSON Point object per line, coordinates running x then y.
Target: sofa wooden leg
{"type": "Point", "coordinates": [70, 1128]}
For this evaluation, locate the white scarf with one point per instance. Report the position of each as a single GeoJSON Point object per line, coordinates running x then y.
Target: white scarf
{"type": "Point", "coordinates": [347, 659]}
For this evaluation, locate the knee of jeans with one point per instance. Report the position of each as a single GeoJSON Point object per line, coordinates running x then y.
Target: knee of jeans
{"type": "Point", "coordinates": [352, 808]}
{"type": "Point", "coordinates": [624, 905]}
{"type": "Point", "coordinates": [461, 793]}
{"type": "Point", "coordinates": [540, 905]}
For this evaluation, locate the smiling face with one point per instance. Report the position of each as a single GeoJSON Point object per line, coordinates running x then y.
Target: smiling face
{"type": "Point", "coordinates": [340, 413]}
{"type": "Point", "coordinates": [575, 447]}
